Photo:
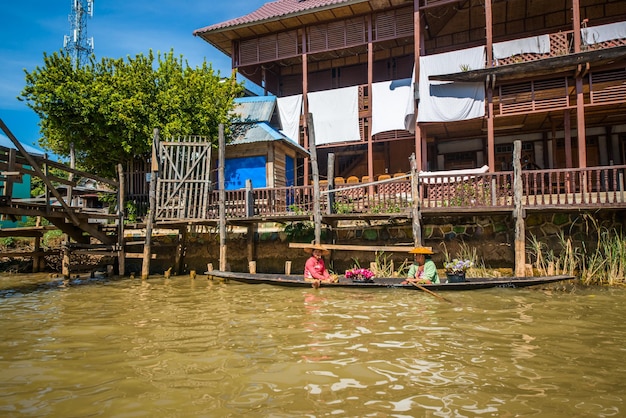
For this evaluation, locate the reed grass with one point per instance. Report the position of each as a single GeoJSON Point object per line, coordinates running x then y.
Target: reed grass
{"type": "Point", "coordinates": [385, 267]}
{"type": "Point", "coordinates": [601, 261]}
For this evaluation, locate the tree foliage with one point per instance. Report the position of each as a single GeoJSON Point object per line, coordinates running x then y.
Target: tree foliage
{"type": "Point", "coordinates": [109, 109]}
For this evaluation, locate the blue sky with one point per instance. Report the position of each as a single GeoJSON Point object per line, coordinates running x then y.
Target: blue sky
{"type": "Point", "coordinates": [119, 28]}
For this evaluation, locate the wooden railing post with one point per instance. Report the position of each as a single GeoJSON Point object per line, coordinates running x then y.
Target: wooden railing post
{"type": "Point", "coordinates": [222, 198]}
{"type": "Point", "coordinates": [317, 216]}
{"type": "Point", "coordinates": [249, 199]}
{"type": "Point", "coordinates": [518, 212]}
{"type": "Point", "coordinates": [147, 247]}
{"type": "Point", "coordinates": [121, 203]}
{"type": "Point", "coordinates": [415, 201]}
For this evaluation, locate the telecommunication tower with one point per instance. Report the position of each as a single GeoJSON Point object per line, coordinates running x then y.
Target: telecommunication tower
{"type": "Point", "coordinates": [77, 44]}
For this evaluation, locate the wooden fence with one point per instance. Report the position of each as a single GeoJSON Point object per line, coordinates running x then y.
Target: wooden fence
{"type": "Point", "coordinates": [556, 188]}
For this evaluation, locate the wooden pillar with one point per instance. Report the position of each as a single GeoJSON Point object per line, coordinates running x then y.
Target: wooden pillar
{"type": "Point", "coordinates": [518, 212]}
{"type": "Point", "coordinates": [180, 250]}
{"type": "Point", "coordinates": [121, 204]}
{"type": "Point", "coordinates": [491, 156]}
{"type": "Point", "coordinates": [147, 246]}
{"type": "Point", "coordinates": [36, 256]}
{"type": "Point", "coordinates": [305, 102]}
{"type": "Point", "coordinates": [317, 214]}
{"type": "Point", "coordinates": [370, 80]}
{"type": "Point", "coordinates": [417, 32]}
{"type": "Point", "coordinates": [222, 196]}
{"type": "Point", "coordinates": [416, 215]}
{"type": "Point", "coordinates": [70, 189]}
{"type": "Point", "coordinates": [8, 182]}
{"type": "Point", "coordinates": [251, 247]}
{"type": "Point", "coordinates": [65, 258]}
{"type": "Point", "coordinates": [567, 133]}
{"type": "Point", "coordinates": [331, 183]}
{"type": "Point", "coordinates": [580, 99]}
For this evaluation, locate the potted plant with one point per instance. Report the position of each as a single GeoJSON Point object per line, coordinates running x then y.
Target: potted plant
{"type": "Point", "coordinates": [456, 269]}
{"type": "Point", "coordinates": [357, 274]}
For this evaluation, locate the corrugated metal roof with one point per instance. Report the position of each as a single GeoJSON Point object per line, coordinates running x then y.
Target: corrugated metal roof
{"type": "Point", "coordinates": [262, 132]}
{"type": "Point", "coordinates": [273, 10]}
{"type": "Point", "coordinates": [254, 109]}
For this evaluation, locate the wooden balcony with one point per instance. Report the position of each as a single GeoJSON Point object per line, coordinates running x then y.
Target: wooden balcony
{"type": "Point", "coordinates": [558, 189]}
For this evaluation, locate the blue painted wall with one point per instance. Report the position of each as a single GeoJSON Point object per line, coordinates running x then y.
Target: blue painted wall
{"type": "Point", "coordinates": [238, 170]}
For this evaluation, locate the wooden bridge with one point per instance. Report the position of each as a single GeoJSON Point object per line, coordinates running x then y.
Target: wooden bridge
{"type": "Point", "coordinates": [58, 204]}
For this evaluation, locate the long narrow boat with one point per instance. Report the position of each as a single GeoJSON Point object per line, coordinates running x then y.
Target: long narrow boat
{"type": "Point", "coordinates": [471, 283]}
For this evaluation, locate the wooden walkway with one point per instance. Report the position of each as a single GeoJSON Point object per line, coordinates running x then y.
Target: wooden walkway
{"type": "Point", "coordinates": [58, 205]}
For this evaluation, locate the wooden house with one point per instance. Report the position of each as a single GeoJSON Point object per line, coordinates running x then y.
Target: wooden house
{"type": "Point", "coordinates": [257, 150]}
{"type": "Point", "coordinates": [455, 82]}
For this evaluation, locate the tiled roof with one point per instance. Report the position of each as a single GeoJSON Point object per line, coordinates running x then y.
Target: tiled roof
{"type": "Point", "coordinates": [273, 10]}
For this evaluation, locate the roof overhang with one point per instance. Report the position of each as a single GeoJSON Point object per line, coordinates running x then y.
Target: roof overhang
{"type": "Point", "coordinates": [579, 62]}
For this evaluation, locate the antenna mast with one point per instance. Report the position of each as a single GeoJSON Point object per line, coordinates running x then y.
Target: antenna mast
{"type": "Point", "coordinates": [77, 44]}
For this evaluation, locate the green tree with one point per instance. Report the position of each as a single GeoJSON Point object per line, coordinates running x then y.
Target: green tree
{"type": "Point", "coordinates": [109, 109]}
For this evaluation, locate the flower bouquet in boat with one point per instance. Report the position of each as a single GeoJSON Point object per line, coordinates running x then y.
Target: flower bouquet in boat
{"type": "Point", "coordinates": [456, 269]}
{"type": "Point", "coordinates": [360, 275]}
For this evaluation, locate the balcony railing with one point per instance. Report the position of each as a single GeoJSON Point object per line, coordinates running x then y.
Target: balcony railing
{"type": "Point", "coordinates": [595, 187]}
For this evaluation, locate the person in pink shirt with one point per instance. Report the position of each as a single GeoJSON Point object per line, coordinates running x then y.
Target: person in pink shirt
{"type": "Point", "coordinates": [315, 269]}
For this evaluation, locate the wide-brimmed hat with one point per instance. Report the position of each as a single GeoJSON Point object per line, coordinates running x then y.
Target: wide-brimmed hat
{"type": "Point", "coordinates": [421, 250]}
{"type": "Point", "coordinates": [323, 249]}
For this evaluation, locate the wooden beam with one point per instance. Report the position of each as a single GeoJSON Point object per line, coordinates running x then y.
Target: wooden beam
{"type": "Point", "coordinates": [547, 66]}
{"type": "Point", "coordinates": [386, 248]}
{"type": "Point", "coordinates": [70, 213]}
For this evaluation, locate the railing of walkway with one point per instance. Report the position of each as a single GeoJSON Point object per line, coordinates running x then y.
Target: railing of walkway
{"type": "Point", "coordinates": [556, 188]}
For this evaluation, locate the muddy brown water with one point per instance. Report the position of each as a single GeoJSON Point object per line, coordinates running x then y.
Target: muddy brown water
{"type": "Point", "coordinates": [197, 348]}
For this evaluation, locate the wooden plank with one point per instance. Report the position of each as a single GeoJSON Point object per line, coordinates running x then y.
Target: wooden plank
{"type": "Point", "coordinates": [29, 253]}
{"type": "Point", "coordinates": [347, 247]}
{"type": "Point", "coordinates": [140, 255]}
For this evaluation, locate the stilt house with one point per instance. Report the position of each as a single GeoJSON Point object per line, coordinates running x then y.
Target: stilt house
{"type": "Point", "coordinates": [455, 82]}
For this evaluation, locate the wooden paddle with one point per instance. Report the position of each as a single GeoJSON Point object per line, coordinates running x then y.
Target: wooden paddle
{"type": "Point", "coordinates": [430, 292]}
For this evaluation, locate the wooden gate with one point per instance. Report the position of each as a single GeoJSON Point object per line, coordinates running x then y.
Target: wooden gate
{"type": "Point", "coordinates": [184, 181]}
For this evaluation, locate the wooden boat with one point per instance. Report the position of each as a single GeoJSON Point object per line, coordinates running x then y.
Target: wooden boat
{"type": "Point", "coordinates": [471, 283]}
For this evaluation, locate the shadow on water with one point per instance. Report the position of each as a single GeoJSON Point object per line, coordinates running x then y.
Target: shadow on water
{"type": "Point", "coordinates": [22, 284]}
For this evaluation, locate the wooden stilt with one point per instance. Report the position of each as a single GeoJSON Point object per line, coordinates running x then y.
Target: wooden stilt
{"type": "Point", "coordinates": [121, 204]}
{"type": "Point", "coordinates": [317, 215]}
{"type": "Point", "coordinates": [36, 257]}
{"type": "Point", "coordinates": [65, 262]}
{"type": "Point", "coordinates": [518, 212]}
{"type": "Point", "coordinates": [252, 267]}
{"type": "Point", "coordinates": [251, 247]}
{"type": "Point", "coordinates": [180, 250]}
{"type": "Point", "coordinates": [147, 248]}
{"type": "Point", "coordinates": [287, 267]}
{"type": "Point", "coordinates": [222, 197]}
{"type": "Point", "coordinates": [416, 215]}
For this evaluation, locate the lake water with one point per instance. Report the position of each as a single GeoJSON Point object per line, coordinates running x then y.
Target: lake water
{"type": "Point", "coordinates": [198, 348]}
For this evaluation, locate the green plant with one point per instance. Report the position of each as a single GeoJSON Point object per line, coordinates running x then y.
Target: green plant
{"type": "Point", "coordinates": [567, 261]}
{"type": "Point", "coordinates": [469, 194]}
{"type": "Point", "coordinates": [389, 207]}
{"type": "Point", "coordinates": [297, 210]}
{"type": "Point", "coordinates": [299, 231]}
{"type": "Point", "coordinates": [8, 242]}
{"type": "Point", "coordinates": [343, 207]}
{"type": "Point", "coordinates": [383, 266]}
{"type": "Point", "coordinates": [51, 236]}
{"type": "Point", "coordinates": [131, 212]}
